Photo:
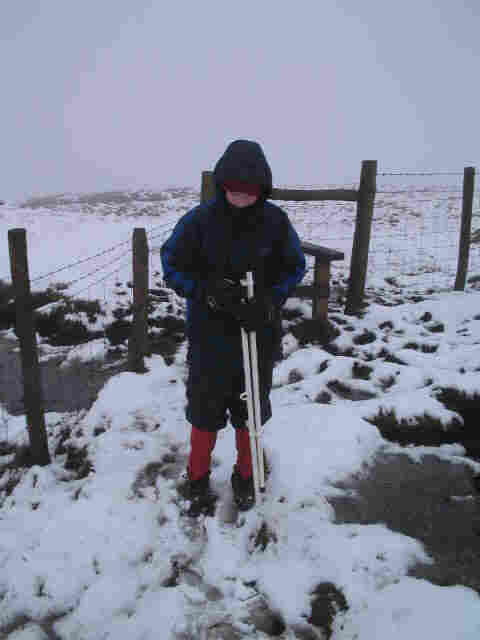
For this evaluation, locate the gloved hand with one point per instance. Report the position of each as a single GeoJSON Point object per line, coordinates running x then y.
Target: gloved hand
{"type": "Point", "coordinates": [255, 313]}
{"type": "Point", "coordinates": [224, 294]}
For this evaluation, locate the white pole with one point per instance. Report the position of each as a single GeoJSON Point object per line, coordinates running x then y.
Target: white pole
{"type": "Point", "coordinates": [252, 387]}
{"type": "Point", "coordinates": [250, 410]}
{"type": "Point", "coordinates": [257, 409]}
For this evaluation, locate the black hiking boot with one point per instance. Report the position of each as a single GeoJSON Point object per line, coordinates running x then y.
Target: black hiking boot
{"type": "Point", "coordinates": [198, 493]}
{"type": "Point", "coordinates": [243, 491]}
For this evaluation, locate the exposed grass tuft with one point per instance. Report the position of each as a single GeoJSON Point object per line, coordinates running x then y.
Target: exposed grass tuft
{"type": "Point", "coordinates": [327, 602]}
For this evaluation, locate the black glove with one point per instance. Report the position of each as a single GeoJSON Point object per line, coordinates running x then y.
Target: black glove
{"type": "Point", "coordinates": [255, 313]}
{"type": "Point", "coordinates": [224, 295]}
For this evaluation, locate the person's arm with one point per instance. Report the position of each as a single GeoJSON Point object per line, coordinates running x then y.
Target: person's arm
{"type": "Point", "coordinates": [179, 255]}
{"type": "Point", "coordinates": [293, 266]}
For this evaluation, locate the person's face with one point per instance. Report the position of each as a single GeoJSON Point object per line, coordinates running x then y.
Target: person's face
{"type": "Point", "coordinates": [240, 199]}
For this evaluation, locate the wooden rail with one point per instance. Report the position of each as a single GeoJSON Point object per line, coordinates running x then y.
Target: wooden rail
{"type": "Point", "coordinates": [309, 195]}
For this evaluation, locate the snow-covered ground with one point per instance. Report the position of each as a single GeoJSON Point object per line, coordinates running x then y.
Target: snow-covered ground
{"type": "Point", "coordinates": [109, 554]}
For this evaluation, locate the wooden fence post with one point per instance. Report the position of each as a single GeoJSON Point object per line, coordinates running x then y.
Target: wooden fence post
{"type": "Point", "coordinates": [361, 239]}
{"type": "Point", "coordinates": [25, 326]}
{"type": "Point", "coordinates": [208, 186]}
{"type": "Point", "coordinates": [466, 228]}
{"type": "Point", "coordinates": [321, 284]}
{"type": "Point", "coordinates": [138, 343]}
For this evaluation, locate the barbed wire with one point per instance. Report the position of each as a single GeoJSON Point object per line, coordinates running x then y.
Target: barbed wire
{"type": "Point", "coordinates": [160, 226]}
{"type": "Point", "coordinates": [129, 251]}
{"type": "Point", "coordinates": [108, 275]}
{"type": "Point", "coordinates": [397, 250]}
{"type": "Point", "coordinates": [397, 192]}
{"type": "Point", "coordinates": [157, 236]}
{"type": "Point", "coordinates": [98, 269]}
{"type": "Point", "coordinates": [97, 255]}
{"type": "Point", "coordinates": [431, 200]}
{"type": "Point", "coordinates": [419, 173]}
{"type": "Point", "coordinates": [82, 261]}
{"type": "Point", "coordinates": [91, 284]}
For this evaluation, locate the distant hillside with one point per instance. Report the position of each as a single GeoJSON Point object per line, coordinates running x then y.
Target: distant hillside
{"type": "Point", "coordinates": [135, 202]}
{"type": "Point", "coordinates": [105, 197]}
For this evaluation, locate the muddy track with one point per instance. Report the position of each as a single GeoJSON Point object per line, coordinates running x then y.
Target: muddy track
{"type": "Point", "coordinates": [70, 387]}
{"type": "Point", "coordinates": [434, 501]}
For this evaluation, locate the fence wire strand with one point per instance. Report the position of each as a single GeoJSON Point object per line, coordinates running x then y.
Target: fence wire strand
{"type": "Point", "coordinates": [419, 173]}
{"type": "Point", "coordinates": [108, 275]}
{"type": "Point", "coordinates": [82, 261]}
{"type": "Point", "coordinates": [97, 255]}
{"type": "Point", "coordinates": [98, 269]}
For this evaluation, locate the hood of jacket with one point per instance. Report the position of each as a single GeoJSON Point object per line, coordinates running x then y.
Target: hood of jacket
{"type": "Point", "coordinates": [244, 160]}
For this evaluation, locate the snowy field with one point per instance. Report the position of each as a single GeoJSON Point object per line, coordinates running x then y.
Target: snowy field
{"type": "Point", "coordinates": [108, 554]}
{"type": "Point", "coordinates": [414, 240]}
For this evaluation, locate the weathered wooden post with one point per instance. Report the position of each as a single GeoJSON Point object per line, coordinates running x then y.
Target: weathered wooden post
{"type": "Point", "coordinates": [208, 186]}
{"type": "Point", "coordinates": [138, 343]}
{"type": "Point", "coordinates": [466, 228]}
{"type": "Point", "coordinates": [361, 239]}
{"type": "Point", "coordinates": [33, 395]}
{"type": "Point", "coordinates": [321, 289]}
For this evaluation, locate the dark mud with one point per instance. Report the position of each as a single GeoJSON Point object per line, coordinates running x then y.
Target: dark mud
{"type": "Point", "coordinates": [65, 388]}
{"type": "Point", "coordinates": [434, 501]}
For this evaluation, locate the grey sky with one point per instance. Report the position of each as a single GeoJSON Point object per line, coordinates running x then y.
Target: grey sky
{"type": "Point", "coordinates": [117, 93]}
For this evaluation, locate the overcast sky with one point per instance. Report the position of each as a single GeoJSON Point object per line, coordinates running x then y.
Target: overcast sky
{"type": "Point", "coordinates": [125, 93]}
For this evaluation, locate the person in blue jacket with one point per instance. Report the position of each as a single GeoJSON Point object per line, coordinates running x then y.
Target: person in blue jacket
{"type": "Point", "coordinates": [205, 260]}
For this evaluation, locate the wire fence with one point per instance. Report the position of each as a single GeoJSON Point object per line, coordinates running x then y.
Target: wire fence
{"type": "Point", "coordinates": [80, 316]}
{"type": "Point", "coordinates": [166, 226]}
{"type": "Point", "coordinates": [414, 246]}
{"type": "Point", "coordinates": [122, 262]}
{"type": "Point", "coordinates": [414, 239]}
{"type": "Point", "coordinates": [421, 246]}
{"type": "Point", "coordinates": [415, 232]}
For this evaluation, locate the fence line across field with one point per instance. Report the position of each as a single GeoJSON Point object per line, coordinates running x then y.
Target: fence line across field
{"type": "Point", "coordinates": [309, 195]}
{"type": "Point", "coordinates": [299, 195]}
{"type": "Point", "coordinates": [364, 197]}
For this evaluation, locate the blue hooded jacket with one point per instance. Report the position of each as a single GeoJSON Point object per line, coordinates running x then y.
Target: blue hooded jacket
{"type": "Point", "coordinates": [215, 239]}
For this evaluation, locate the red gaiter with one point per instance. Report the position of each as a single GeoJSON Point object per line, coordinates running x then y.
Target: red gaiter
{"type": "Point", "coordinates": [202, 444]}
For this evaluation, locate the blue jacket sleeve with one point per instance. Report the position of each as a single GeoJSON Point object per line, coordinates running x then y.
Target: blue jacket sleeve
{"type": "Point", "coordinates": [293, 263]}
{"type": "Point", "coordinates": [177, 255]}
